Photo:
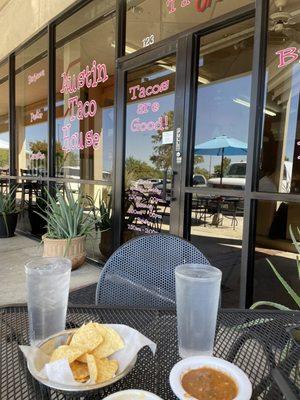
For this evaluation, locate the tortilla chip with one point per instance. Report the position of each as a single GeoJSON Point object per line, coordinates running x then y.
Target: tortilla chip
{"type": "Point", "coordinates": [80, 371]}
{"type": "Point", "coordinates": [112, 342]}
{"type": "Point", "coordinates": [87, 337]}
{"type": "Point", "coordinates": [92, 367]}
{"type": "Point", "coordinates": [68, 352]}
{"type": "Point", "coordinates": [106, 369]}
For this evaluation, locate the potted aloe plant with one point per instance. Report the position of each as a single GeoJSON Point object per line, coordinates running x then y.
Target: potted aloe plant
{"type": "Point", "coordinates": [68, 226]}
{"type": "Point", "coordinates": [104, 225]}
{"type": "Point", "coordinates": [8, 213]}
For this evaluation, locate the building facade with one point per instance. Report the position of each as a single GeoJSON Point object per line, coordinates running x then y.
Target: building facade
{"type": "Point", "coordinates": [178, 116]}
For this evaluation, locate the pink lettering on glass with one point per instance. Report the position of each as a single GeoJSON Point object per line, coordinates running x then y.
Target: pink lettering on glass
{"type": "Point", "coordinates": [38, 114]}
{"type": "Point", "coordinates": [37, 156]}
{"type": "Point", "coordinates": [79, 141]}
{"type": "Point", "coordinates": [171, 6]}
{"type": "Point", "coordinates": [35, 77]}
{"type": "Point", "coordinates": [287, 56]}
{"type": "Point", "coordinates": [142, 92]}
{"type": "Point", "coordinates": [89, 77]}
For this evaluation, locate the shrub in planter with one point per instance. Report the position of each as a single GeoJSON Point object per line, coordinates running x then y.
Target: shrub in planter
{"type": "Point", "coordinates": [8, 213]}
{"type": "Point", "coordinates": [68, 225]}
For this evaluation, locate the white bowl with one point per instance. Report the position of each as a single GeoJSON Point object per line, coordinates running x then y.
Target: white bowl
{"type": "Point", "coordinates": [241, 379]}
{"type": "Point", "coordinates": [133, 395]}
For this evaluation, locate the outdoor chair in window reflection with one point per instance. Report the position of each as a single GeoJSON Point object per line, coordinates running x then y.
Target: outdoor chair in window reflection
{"type": "Point", "coordinates": [215, 209]}
{"type": "Point", "coordinates": [29, 185]}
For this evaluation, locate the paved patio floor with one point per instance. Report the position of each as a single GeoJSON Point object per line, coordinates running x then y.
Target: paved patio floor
{"type": "Point", "coordinates": [14, 252]}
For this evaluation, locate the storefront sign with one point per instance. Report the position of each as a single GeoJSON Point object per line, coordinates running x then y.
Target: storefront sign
{"type": "Point", "coordinates": [37, 156]}
{"type": "Point", "coordinates": [88, 77]}
{"type": "Point", "coordinates": [287, 56]}
{"type": "Point", "coordinates": [38, 114]}
{"type": "Point", "coordinates": [142, 92]}
{"type": "Point", "coordinates": [160, 124]}
{"type": "Point", "coordinates": [200, 5]}
{"type": "Point", "coordinates": [79, 141]}
{"type": "Point", "coordinates": [35, 77]}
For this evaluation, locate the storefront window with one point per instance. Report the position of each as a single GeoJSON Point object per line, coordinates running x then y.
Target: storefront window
{"type": "Point", "coordinates": [85, 69]}
{"type": "Point", "coordinates": [4, 116]}
{"type": "Point", "coordinates": [276, 222]}
{"type": "Point", "coordinates": [280, 147]}
{"type": "Point", "coordinates": [149, 21]}
{"type": "Point", "coordinates": [32, 109]}
{"type": "Point", "coordinates": [223, 107]}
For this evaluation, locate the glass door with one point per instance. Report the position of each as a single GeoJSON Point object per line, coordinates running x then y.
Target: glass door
{"type": "Point", "coordinates": [148, 187]}
{"type": "Point", "coordinates": [217, 177]}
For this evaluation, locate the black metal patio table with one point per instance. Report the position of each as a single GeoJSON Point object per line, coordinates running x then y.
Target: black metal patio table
{"type": "Point", "coordinates": [259, 342]}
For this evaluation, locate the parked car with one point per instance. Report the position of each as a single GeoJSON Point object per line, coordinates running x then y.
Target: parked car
{"type": "Point", "coordinates": [235, 178]}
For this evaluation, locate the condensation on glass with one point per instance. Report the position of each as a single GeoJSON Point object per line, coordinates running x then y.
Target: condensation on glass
{"type": "Point", "coordinates": [4, 121]}
{"type": "Point", "coordinates": [276, 222]}
{"type": "Point", "coordinates": [280, 147]}
{"type": "Point", "coordinates": [149, 148]}
{"type": "Point", "coordinates": [32, 109]}
{"type": "Point", "coordinates": [150, 21]}
{"type": "Point", "coordinates": [85, 74]}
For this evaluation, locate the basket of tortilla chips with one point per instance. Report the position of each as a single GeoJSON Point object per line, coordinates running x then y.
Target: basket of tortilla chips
{"type": "Point", "coordinates": [88, 358]}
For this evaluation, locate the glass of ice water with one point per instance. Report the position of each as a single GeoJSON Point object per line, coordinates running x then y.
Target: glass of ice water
{"type": "Point", "coordinates": [48, 283]}
{"type": "Point", "coordinates": [197, 303]}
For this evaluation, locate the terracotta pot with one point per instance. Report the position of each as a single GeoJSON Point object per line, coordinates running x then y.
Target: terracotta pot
{"type": "Point", "coordinates": [106, 245]}
{"type": "Point", "coordinates": [75, 249]}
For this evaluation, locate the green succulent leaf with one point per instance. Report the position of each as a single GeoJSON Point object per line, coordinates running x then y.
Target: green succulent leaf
{"type": "Point", "coordinates": [269, 304]}
{"type": "Point", "coordinates": [284, 283]}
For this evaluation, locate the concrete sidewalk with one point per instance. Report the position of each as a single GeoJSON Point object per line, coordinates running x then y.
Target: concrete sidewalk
{"type": "Point", "coordinates": [14, 252]}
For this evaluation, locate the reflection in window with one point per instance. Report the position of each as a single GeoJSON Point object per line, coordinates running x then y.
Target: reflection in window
{"type": "Point", "coordinates": [223, 106]}
{"type": "Point", "coordinates": [217, 230]}
{"type": "Point", "coordinates": [274, 243]}
{"type": "Point", "coordinates": [149, 21]}
{"type": "Point", "coordinates": [85, 97]}
{"type": "Point", "coordinates": [4, 134]}
{"type": "Point", "coordinates": [280, 152]}
{"type": "Point", "coordinates": [32, 109]}
{"type": "Point", "coordinates": [149, 147]}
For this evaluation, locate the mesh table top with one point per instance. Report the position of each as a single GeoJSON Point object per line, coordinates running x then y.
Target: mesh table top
{"type": "Point", "coordinates": [256, 341]}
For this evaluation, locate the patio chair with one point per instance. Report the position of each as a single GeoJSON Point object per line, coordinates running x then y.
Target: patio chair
{"type": "Point", "coordinates": [140, 273]}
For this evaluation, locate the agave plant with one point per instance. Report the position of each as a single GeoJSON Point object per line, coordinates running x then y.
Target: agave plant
{"type": "Point", "coordinates": [8, 203]}
{"type": "Point", "coordinates": [104, 217]}
{"type": "Point", "coordinates": [65, 216]}
{"type": "Point", "coordinates": [292, 293]}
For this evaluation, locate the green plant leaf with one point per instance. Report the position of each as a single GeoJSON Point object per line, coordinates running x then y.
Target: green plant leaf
{"type": "Point", "coordinates": [284, 283]}
{"type": "Point", "coordinates": [269, 304]}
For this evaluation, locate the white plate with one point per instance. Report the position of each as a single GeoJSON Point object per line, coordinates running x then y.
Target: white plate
{"type": "Point", "coordinates": [133, 395]}
{"type": "Point", "coordinates": [241, 379]}
{"type": "Point", "coordinates": [48, 345]}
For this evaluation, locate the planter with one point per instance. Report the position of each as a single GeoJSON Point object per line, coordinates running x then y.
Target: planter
{"type": "Point", "coordinates": [8, 229]}
{"type": "Point", "coordinates": [106, 245]}
{"type": "Point", "coordinates": [38, 224]}
{"type": "Point", "coordinates": [75, 249]}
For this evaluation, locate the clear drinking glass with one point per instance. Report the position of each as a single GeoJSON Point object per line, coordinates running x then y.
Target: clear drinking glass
{"type": "Point", "coordinates": [197, 302]}
{"type": "Point", "coordinates": [48, 283]}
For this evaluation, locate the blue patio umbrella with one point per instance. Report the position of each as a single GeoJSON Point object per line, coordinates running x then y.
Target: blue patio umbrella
{"type": "Point", "coordinates": [222, 146]}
